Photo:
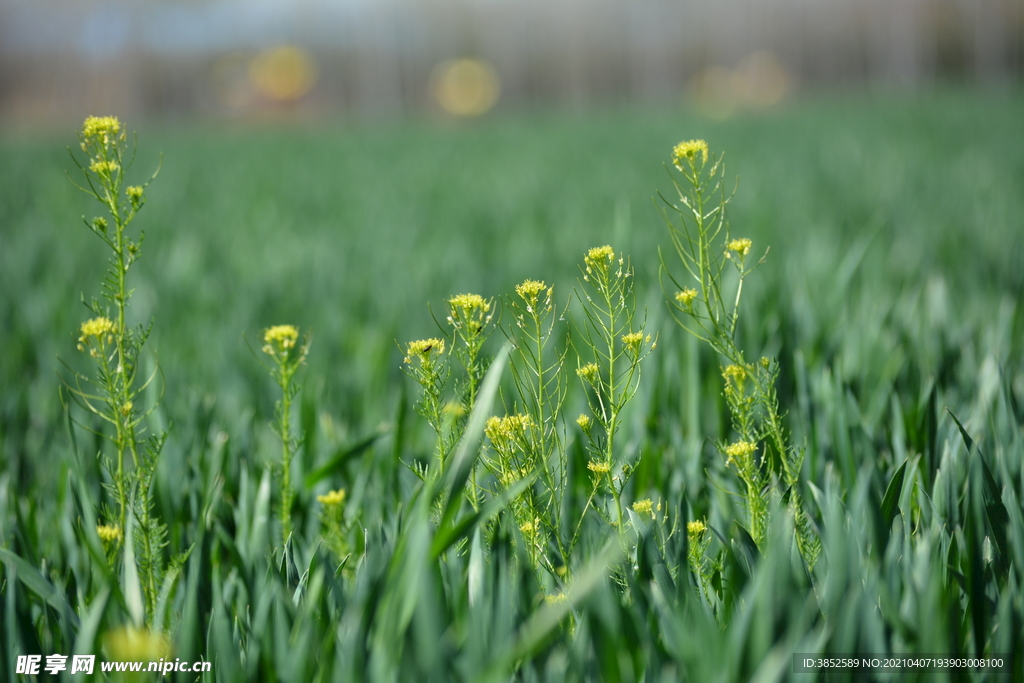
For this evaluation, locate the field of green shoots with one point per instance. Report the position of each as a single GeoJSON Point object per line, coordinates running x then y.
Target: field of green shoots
{"type": "Point", "coordinates": [890, 298]}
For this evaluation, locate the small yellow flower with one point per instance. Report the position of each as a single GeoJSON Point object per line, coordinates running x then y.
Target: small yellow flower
{"type": "Point", "coordinates": [332, 497]}
{"type": "Point", "coordinates": [101, 167]}
{"type": "Point", "coordinates": [600, 258]}
{"type": "Point", "coordinates": [695, 528]}
{"type": "Point", "coordinates": [740, 448]}
{"type": "Point", "coordinates": [108, 533]}
{"type": "Point", "coordinates": [285, 335]}
{"type": "Point", "coordinates": [530, 290]}
{"type": "Point", "coordinates": [644, 507]}
{"type": "Point", "coordinates": [584, 422]}
{"type": "Point", "coordinates": [506, 434]}
{"type": "Point", "coordinates": [527, 528]}
{"type": "Point", "coordinates": [688, 151]}
{"type": "Point", "coordinates": [686, 296]}
{"type": "Point", "coordinates": [454, 410]}
{"type": "Point", "coordinates": [101, 127]}
{"type": "Point", "coordinates": [492, 427]}
{"type": "Point", "coordinates": [423, 350]}
{"type": "Point", "coordinates": [468, 304]}
{"type": "Point", "coordinates": [134, 193]}
{"type": "Point", "coordinates": [599, 467]}
{"type": "Point", "coordinates": [589, 372]}
{"type": "Point", "coordinates": [740, 246]}
{"type": "Point", "coordinates": [555, 599]}
{"type": "Point", "coordinates": [518, 423]}
{"type": "Point", "coordinates": [735, 373]}
{"type": "Point", "coordinates": [279, 339]}
{"type": "Point", "coordinates": [97, 327]}
{"type": "Point", "coordinates": [633, 339]}
{"type": "Point", "coordinates": [130, 643]}
{"type": "Point", "coordinates": [739, 451]}
{"type": "Point", "coordinates": [508, 427]}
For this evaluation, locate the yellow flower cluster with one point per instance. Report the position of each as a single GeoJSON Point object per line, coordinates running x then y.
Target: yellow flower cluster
{"type": "Point", "coordinates": [599, 467]}
{"type": "Point", "coordinates": [644, 507]}
{"type": "Point", "coordinates": [469, 304]}
{"type": "Point", "coordinates": [735, 373]}
{"type": "Point", "coordinates": [740, 448]}
{"type": "Point", "coordinates": [422, 349]}
{"type": "Point", "coordinates": [97, 327]}
{"type": "Point", "coordinates": [686, 296]}
{"type": "Point", "coordinates": [530, 290]}
{"type": "Point", "coordinates": [740, 246]}
{"type": "Point", "coordinates": [332, 498]}
{"type": "Point", "coordinates": [101, 127]}
{"type": "Point", "coordinates": [634, 338]}
{"type": "Point", "coordinates": [584, 422]}
{"type": "Point", "coordinates": [469, 313]}
{"type": "Point", "coordinates": [510, 427]}
{"type": "Point", "coordinates": [697, 534]}
{"type": "Point", "coordinates": [285, 335]}
{"type": "Point", "coordinates": [589, 372]}
{"type": "Point", "coordinates": [454, 409]}
{"type": "Point", "coordinates": [108, 533]}
{"type": "Point", "coordinates": [634, 342]}
{"type": "Point", "coordinates": [134, 193]}
{"type": "Point", "coordinates": [599, 258]}
{"type": "Point", "coordinates": [101, 167]}
{"type": "Point", "coordinates": [279, 338]}
{"type": "Point", "coordinates": [99, 135]}
{"type": "Point", "coordinates": [130, 643]}
{"type": "Point", "coordinates": [527, 528]}
{"type": "Point", "coordinates": [740, 452]}
{"type": "Point", "coordinates": [688, 151]}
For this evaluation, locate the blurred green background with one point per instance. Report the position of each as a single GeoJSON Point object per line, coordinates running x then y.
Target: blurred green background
{"type": "Point", "coordinates": [894, 226]}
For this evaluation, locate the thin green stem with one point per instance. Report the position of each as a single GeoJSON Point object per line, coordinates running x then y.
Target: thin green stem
{"type": "Point", "coordinates": [286, 458]}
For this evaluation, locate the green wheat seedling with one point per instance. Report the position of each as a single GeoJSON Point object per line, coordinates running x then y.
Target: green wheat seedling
{"type": "Point", "coordinates": [707, 305]}
{"type": "Point", "coordinates": [113, 393]}
{"type": "Point", "coordinates": [281, 343]}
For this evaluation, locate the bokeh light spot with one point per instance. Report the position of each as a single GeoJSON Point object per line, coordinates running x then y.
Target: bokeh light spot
{"type": "Point", "coordinates": [283, 73]}
{"type": "Point", "coordinates": [465, 87]}
{"type": "Point", "coordinates": [759, 81]}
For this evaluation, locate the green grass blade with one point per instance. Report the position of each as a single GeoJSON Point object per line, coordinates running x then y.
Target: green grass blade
{"type": "Point", "coordinates": [38, 584]}
{"type": "Point", "coordinates": [86, 637]}
{"type": "Point", "coordinates": [451, 533]}
{"type": "Point", "coordinates": [995, 511]}
{"type": "Point", "coordinates": [466, 453]}
{"type": "Point", "coordinates": [131, 585]}
{"type": "Point", "coordinates": [340, 457]}
{"type": "Point", "coordinates": [891, 498]}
